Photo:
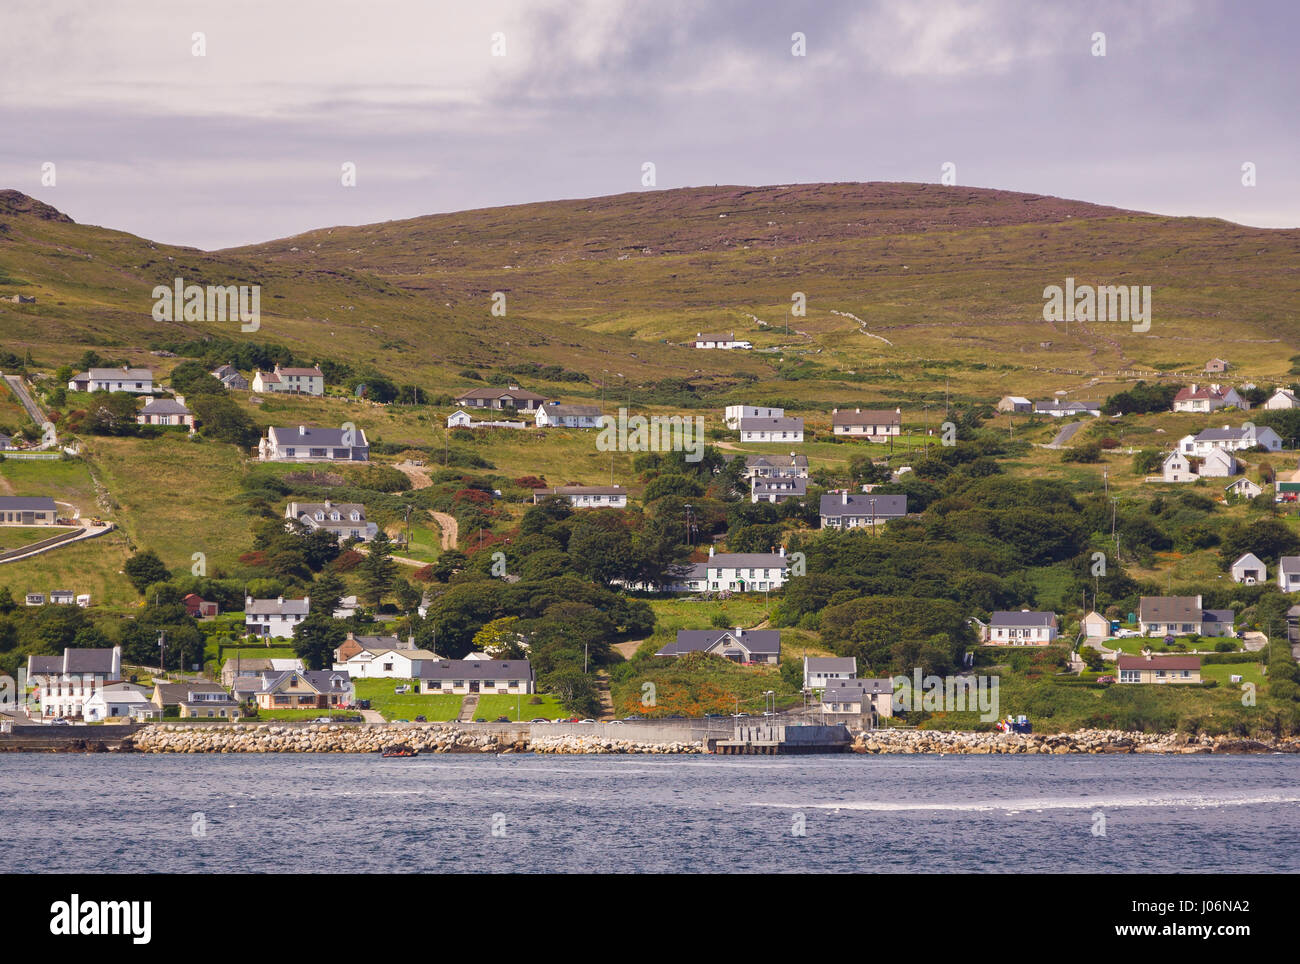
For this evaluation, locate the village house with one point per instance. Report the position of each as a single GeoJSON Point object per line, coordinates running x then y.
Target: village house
{"type": "Point", "coordinates": [274, 617]}
{"type": "Point", "coordinates": [174, 694]}
{"type": "Point", "coordinates": [308, 444]}
{"type": "Point", "coordinates": [306, 689]}
{"type": "Point", "coordinates": [726, 341]}
{"type": "Point", "coordinates": [27, 511]}
{"type": "Point", "coordinates": [253, 667]}
{"type": "Point", "coordinates": [739, 645]}
{"type": "Point", "coordinates": [777, 490]}
{"type": "Point", "coordinates": [555, 415]}
{"type": "Point", "coordinates": [842, 510]}
{"type": "Point", "coordinates": [137, 381]}
{"type": "Point", "coordinates": [356, 644]}
{"type": "Point", "coordinates": [746, 571]}
{"type": "Point", "coordinates": [296, 381]}
{"type": "Point", "coordinates": [732, 415]}
{"type": "Point", "coordinates": [1206, 398]}
{"type": "Point", "coordinates": [62, 597]}
{"type": "Point", "coordinates": [230, 377]}
{"type": "Point", "coordinates": [118, 700]}
{"type": "Point", "coordinates": [64, 683]}
{"type": "Point", "coordinates": [774, 466]}
{"type": "Point", "coordinates": [1230, 439]}
{"type": "Point", "coordinates": [1288, 573]}
{"type": "Point", "coordinates": [1249, 569]}
{"type": "Point", "coordinates": [1159, 669]}
{"type": "Point", "coordinates": [165, 411]}
{"type": "Point", "coordinates": [1060, 407]}
{"type": "Point", "coordinates": [1218, 464]}
{"type": "Point", "coordinates": [463, 676]}
{"type": "Point", "coordinates": [6, 442]}
{"type": "Point", "coordinates": [818, 670]}
{"type": "Point", "coordinates": [500, 398]}
{"type": "Point", "coordinates": [858, 697]}
{"type": "Point", "coordinates": [1282, 398]}
{"type": "Point", "coordinates": [771, 429]}
{"type": "Point", "coordinates": [386, 663]}
{"type": "Point", "coordinates": [1023, 628]}
{"type": "Point", "coordinates": [342, 520]}
{"type": "Point", "coordinates": [199, 608]}
{"type": "Point", "coordinates": [586, 496]}
{"type": "Point", "coordinates": [872, 424]}
{"type": "Point", "coordinates": [1096, 626]}
{"type": "Point", "coordinates": [1177, 467]}
{"type": "Point", "coordinates": [209, 705]}
{"type": "Point", "coordinates": [1182, 616]}
{"type": "Point", "coordinates": [686, 577]}
{"type": "Point", "coordinates": [1244, 488]}
{"type": "Point", "coordinates": [1014, 403]}
{"type": "Point", "coordinates": [1216, 366]}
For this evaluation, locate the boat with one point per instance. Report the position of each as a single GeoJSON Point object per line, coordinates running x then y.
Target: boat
{"type": "Point", "coordinates": [400, 749]}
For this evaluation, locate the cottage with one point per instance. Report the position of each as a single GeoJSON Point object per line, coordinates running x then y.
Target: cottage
{"type": "Point", "coordinates": [118, 700]}
{"type": "Point", "coordinates": [859, 697]}
{"type": "Point", "coordinates": [274, 617]}
{"type": "Point", "coordinates": [308, 444]}
{"type": "Point", "coordinates": [25, 511]}
{"type": "Point", "coordinates": [739, 645]}
{"type": "Point", "coordinates": [357, 644]}
{"type": "Point", "coordinates": [1230, 439]}
{"type": "Point", "coordinates": [1014, 403]}
{"type": "Point", "coordinates": [732, 415]}
{"type": "Point", "coordinates": [1060, 407]}
{"type": "Point", "coordinates": [252, 667]}
{"type": "Point", "coordinates": [230, 377]}
{"type": "Point", "coordinates": [586, 496]}
{"type": "Point", "coordinates": [174, 694]}
{"type": "Point", "coordinates": [775, 466]}
{"type": "Point", "coordinates": [1219, 464]}
{"type": "Point", "coordinates": [209, 705]}
{"type": "Point", "coordinates": [306, 688]}
{"type": "Point", "coordinates": [137, 381]}
{"type": "Point", "coordinates": [1216, 366]}
{"type": "Point", "coordinates": [1206, 398]}
{"type": "Point", "coordinates": [688, 577]}
{"type": "Point", "coordinates": [1288, 573]}
{"type": "Point", "coordinates": [782, 429]}
{"type": "Point", "coordinates": [841, 510]}
{"type": "Point", "coordinates": [512, 397]}
{"type": "Point", "coordinates": [1244, 488]}
{"type": "Point", "coordinates": [63, 684]}
{"type": "Point", "coordinates": [1282, 398]}
{"type": "Point", "coordinates": [746, 571]}
{"type": "Point", "coordinates": [1177, 467]}
{"type": "Point", "coordinates": [818, 670]}
{"type": "Point", "coordinates": [462, 676]}
{"type": "Point", "coordinates": [777, 489]}
{"type": "Point", "coordinates": [459, 419]}
{"type": "Point", "coordinates": [342, 520]}
{"type": "Point", "coordinates": [295, 381]}
{"type": "Point", "coordinates": [1249, 569]}
{"type": "Point", "coordinates": [386, 663]}
{"type": "Point", "coordinates": [1159, 669]}
{"type": "Point", "coordinates": [875, 425]}
{"type": "Point", "coordinates": [555, 415]}
{"type": "Point", "coordinates": [165, 411]}
{"type": "Point", "coordinates": [1183, 616]}
{"type": "Point", "coordinates": [199, 608]}
{"type": "Point", "coordinates": [726, 341]}
{"type": "Point", "coordinates": [62, 597]}
{"type": "Point", "coordinates": [1023, 628]}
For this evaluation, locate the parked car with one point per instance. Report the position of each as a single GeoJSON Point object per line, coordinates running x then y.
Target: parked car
{"type": "Point", "coordinates": [616, 722]}
{"type": "Point", "coordinates": [480, 719]}
{"type": "Point", "coordinates": [1105, 679]}
{"type": "Point", "coordinates": [586, 721]}
{"type": "Point", "coordinates": [539, 720]}
{"type": "Point", "coordinates": [503, 719]}
{"type": "Point", "coordinates": [421, 719]}
{"type": "Point", "coordinates": [60, 721]}
{"type": "Point", "coordinates": [713, 716]}
{"type": "Point", "coordinates": [632, 718]}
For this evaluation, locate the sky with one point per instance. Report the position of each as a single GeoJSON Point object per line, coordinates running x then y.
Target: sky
{"type": "Point", "coordinates": [447, 106]}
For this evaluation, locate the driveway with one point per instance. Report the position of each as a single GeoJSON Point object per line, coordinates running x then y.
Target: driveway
{"type": "Point", "coordinates": [1064, 435]}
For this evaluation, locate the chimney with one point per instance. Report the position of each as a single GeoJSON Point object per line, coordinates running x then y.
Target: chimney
{"type": "Point", "coordinates": [280, 600]}
{"type": "Point", "coordinates": [740, 631]}
{"type": "Point", "coordinates": [302, 429]}
{"type": "Point", "coordinates": [710, 552]}
{"type": "Point", "coordinates": [857, 411]}
{"type": "Point", "coordinates": [782, 552]}
{"type": "Point", "coordinates": [180, 399]}
{"type": "Point", "coordinates": [844, 497]}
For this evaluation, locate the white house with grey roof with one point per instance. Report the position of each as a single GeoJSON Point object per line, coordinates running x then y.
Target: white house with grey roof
{"type": "Point", "coordinates": [777, 489]}
{"type": "Point", "coordinates": [733, 415]}
{"type": "Point", "coordinates": [783, 429]}
{"type": "Point", "coordinates": [858, 697]}
{"type": "Point", "coordinates": [873, 424]}
{"type": "Point", "coordinates": [1282, 398]}
{"type": "Point", "coordinates": [746, 571]}
{"type": "Point", "coordinates": [343, 520]}
{"type": "Point", "coordinates": [555, 415]}
{"type": "Point", "coordinates": [296, 381]}
{"type": "Point", "coordinates": [462, 676]}
{"type": "Point", "coordinates": [27, 511]}
{"type": "Point", "coordinates": [165, 411]}
{"type": "Point", "coordinates": [739, 644]}
{"type": "Point", "coordinates": [1060, 407]}
{"type": "Point", "coordinates": [1249, 569]}
{"type": "Point", "coordinates": [1288, 573]}
{"type": "Point", "coordinates": [274, 617]}
{"type": "Point", "coordinates": [305, 443]}
{"type": "Point", "coordinates": [1184, 616]}
{"type": "Point", "coordinates": [775, 466]}
{"type": "Point", "coordinates": [586, 496]}
{"type": "Point", "coordinates": [1022, 628]}
{"type": "Point", "coordinates": [136, 381]}
{"type": "Point", "coordinates": [843, 510]}
{"type": "Point", "coordinates": [819, 670]}
{"type": "Point", "coordinates": [1230, 439]}
{"type": "Point", "coordinates": [64, 683]}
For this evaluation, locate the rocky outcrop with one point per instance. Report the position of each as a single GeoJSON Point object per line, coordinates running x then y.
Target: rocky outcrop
{"type": "Point", "coordinates": [1080, 741]}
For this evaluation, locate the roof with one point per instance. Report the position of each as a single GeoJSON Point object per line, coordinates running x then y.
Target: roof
{"type": "Point", "coordinates": [164, 406]}
{"type": "Point", "coordinates": [853, 690]}
{"type": "Point", "coordinates": [307, 372]}
{"type": "Point", "coordinates": [869, 416]}
{"type": "Point", "coordinates": [309, 435]}
{"type": "Point", "coordinates": [718, 336]}
{"type": "Point", "coordinates": [757, 641]}
{"type": "Point", "coordinates": [44, 664]}
{"type": "Point", "coordinates": [479, 669]}
{"type": "Point", "coordinates": [1022, 618]}
{"type": "Point", "coordinates": [278, 607]}
{"type": "Point", "coordinates": [88, 660]}
{"type": "Point", "coordinates": [414, 654]}
{"type": "Point", "coordinates": [117, 374]}
{"type": "Point", "coordinates": [1063, 405]}
{"type": "Point", "coordinates": [1248, 556]}
{"type": "Point", "coordinates": [251, 664]}
{"type": "Point", "coordinates": [176, 693]}
{"type": "Point", "coordinates": [747, 560]}
{"type": "Point", "coordinates": [781, 486]}
{"type": "Point", "coordinates": [1159, 662]}
{"type": "Point", "coordinates": [585, 490]}
{"type": "Point", "coordinates": [782, 424]}
{"type": "Point", "coordinates": [831, 664]}
{"type": "Point", "coordinates": [321, 680]}
{"type": "Point", "coordinates": [1226, 434]}
{"type": "Point", "coordinates": [886, 506]}
{"type": "Point", "coordinates": [499, 392]}
{"type": "Point", "coordinates": [1189, 392]}
{"type": "Point", "coordinates": [575, 411]}
{"type": "Point", "coordinates": [1170, 609]}
{"type": "Point", "coordinates": [344, 509]}
{"type": "Point", "coordinates": [22, 504]}
{"type": "Point", "coordinates": [776, 461]}
{"type": "Point", "coordinates": [1289, 564]}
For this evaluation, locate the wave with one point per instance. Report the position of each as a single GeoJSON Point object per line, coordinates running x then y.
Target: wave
{"type": "Point", "coordinates": [1189, 801]}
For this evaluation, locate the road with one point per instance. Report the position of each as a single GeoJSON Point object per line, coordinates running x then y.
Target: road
{"type": "Point", "coordinates": [1064, 435]}
{"type": "Point", "coordinates": [18, 388]}
{"type": "Point", "coordinates": [419, 477]}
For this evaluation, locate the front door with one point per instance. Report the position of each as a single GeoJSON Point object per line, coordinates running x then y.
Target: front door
{"type": "Point", "coordinates": [473, 686]}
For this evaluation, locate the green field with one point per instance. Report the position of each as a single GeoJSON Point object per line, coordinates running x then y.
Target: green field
{"type": "Point", "coordinates": [14, 537]}
{"type": "Point", "coordinates": [492, 706]}
{"type": "Point", "coordinates": [406, 706]}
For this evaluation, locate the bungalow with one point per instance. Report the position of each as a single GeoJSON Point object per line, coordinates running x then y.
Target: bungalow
{"type": "Point", "coordinates": [776, 466]}
{"type": "Point", "coordinates": [209, 705]}
{"type": "Point", "coordinates": [274, 617]}
{"type": "Point", "coordinates": [229, 376]}
{"type": "Point", "coordinates": [771, 429]}
{"type": "Point", "coordinates": [251, 667]}
{"type": "Point", "coordinates": [63, 684]}
{"type": "Point", "coordinates": [356, 644]}
{"type": "Point", "coordinates": [1060, 407]}
{"type": "Point", "coordinates": [586, 496]}
{"type": "Point", "coordinates": [555, 415]}
{"type": "Point", "coordinates": [1282, 398]}
{"type": "Point", "coordinates": [1244, 488]}
{"type": "Point", "coordinates": [120, 700]}
{"type": "Point", "coordinates": [500, 676]}
{"type": "Point", "coordinates": [1182, 616]}
{"type": "Point", "coordinates": [732, 415]}
{"type": "Point", "coordinates": [726, 341]}
{"type": "Point", "coordinates": [459, 419]}
{"type": "Point", "coordinates": [500, 398]}
{"type": "Point", "coordinates": [1288, 573]}
{"type": "Point", "coordinates": [1206, 398]}
{"type": "Point", "coordinates": [1249, 569]}
{"type": "Point", "coordinates": [746, 571]}
{"type": "Point", "coordinates": [1096, 626]}
{"type": "Point", "coordinates": [306, 688]}
{"type": "Point", "coordinates": [62, 597]}
{"type": "Point", "coordinates": [343, 520]}
{"type": "Point", "coordinates": [1014, 403]}
{"type": "Point", "coordinates": [858, 697]}
{"type": "Point", "coordinates": [1023, 628]}
{"type": "Point", "coordinates": [777, 489]}
{"type": "Point", "coordinates": [739, 645]}
{"type": "Point", "coordinates": [688, 577]}
{"type": "Point", "coordinates": [297, 381]}
{"type": "Point", "coordinates": [165, 411]}
{"type": "Point", "coordinates": [174, 694]}
{"type": "Point", "coordinates": [818, 670]}
{"type": "Point", "coordinates": [1219, 464]}
{"type": "Point", "coordinates": [307, 444]}
{"type": "Point", "coordinates": [25, 511]}
{"type": "Point", "coordinates": [1230, 439]}
{"type": "Point", "coordinates": [840, 510]}
{"type": "Point", "coordinates": [199, 608]}
{"type": "Point", "coordinates": [1159, 669]}
{"type": "Point", "coordinates": [137, 381]}
{"type": "Point", "coordinates": [876, 425]}
{"type": "Point", "coordinates": [386, 663]}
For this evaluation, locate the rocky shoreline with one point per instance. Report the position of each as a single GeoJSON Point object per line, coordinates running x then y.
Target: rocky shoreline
{"type": "Point", "coordinates": [1079, 741]}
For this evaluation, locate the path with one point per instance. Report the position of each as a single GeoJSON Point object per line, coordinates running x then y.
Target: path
{"type": "Point", "coordinates": [419, 477]}
{"type": "Point", "coordinates": [602, 690]}
{"type": "Point", "coordinates": [372, 716]}
{"type": "Point", "coordinates": [33, 410]}
{"type": "Point", "coordinates": [1065, 434]}
{"type": "Point", "coordinates": [467, 708]}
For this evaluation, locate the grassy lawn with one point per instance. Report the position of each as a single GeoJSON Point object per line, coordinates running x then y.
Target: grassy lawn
{"type": "Point", "coordinates": [297, 714]}
{"type": "Point", "coordinates": [1249, 673]}
{"type": "Point", "coordinates": [92, 566]}
{"type": "Point", "coordinates": [490, 707]}
{"type": "Point", "coordinates": [64, 480]}
{"type": "Point", "coordinates": [14, 537]}
{"type": "Point", "coordinates": [1133, 645]}
{"type": "Point", "coordinates": [406, 706]}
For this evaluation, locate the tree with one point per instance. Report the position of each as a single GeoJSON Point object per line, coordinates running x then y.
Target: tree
{"type": "Point", "coordinates": [501, 639]}
{"type": "Point", "coordinates": [575, 691]}
{"type": "Point", "coordinates": [220, 419]}
{"type": "Point", "coordinates": [377, 570]}
{"type": "Point", "coordinates": [144, 569]}
{"type": "Point", "coordinates": [316, 638]}
{"type": "Point", "coordinates": [601, 546]}
{"type": "Point", "coordinates": [327, 593]}
{"type": "Point", "coordinates": [192, 378]}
